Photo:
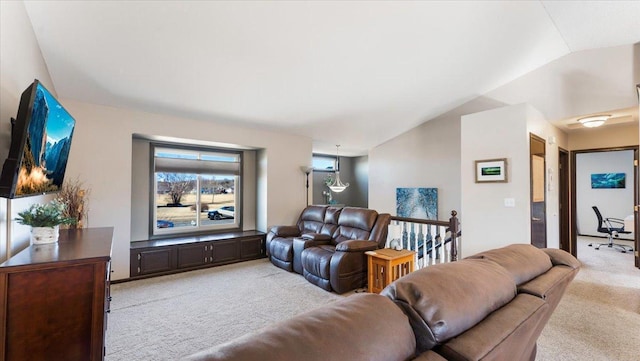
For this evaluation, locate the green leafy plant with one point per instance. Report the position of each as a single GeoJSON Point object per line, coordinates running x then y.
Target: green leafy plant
{"type": "Point", "coordinates": [45, 215]}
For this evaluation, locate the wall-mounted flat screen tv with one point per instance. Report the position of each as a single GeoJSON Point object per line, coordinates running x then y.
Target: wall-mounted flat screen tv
{"type": "Point", "coordinates": [40, 144]}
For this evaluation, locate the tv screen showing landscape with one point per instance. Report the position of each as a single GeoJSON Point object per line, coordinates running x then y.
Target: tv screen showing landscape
{"type": "Point", "coordinates": [47, 145]}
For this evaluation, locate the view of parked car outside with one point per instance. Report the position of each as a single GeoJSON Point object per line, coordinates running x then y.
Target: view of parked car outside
{"type": "Point", "coordinates": [185, 214]}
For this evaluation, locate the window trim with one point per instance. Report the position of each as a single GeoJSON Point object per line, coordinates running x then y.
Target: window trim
{"type": "Point", "coordinates": [153, 234]}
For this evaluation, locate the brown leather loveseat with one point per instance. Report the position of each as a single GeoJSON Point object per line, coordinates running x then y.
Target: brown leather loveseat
{"type": "Point", "coordinates": [490, 306]}
{"type": "Point", "coordinates": [327, 245]}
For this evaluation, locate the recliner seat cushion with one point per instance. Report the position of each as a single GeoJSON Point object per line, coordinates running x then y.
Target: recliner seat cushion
{"type": "Point", "coordinates": [444, 300]}
{"type": "Point", "coordinates": [523, 261]}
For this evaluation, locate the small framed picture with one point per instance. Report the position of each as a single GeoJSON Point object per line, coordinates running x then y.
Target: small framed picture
{"type": "Point", "coordinates": [491, 171]}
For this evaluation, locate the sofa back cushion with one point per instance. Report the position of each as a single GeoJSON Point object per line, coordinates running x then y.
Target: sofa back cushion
{"type": "Point", "coordinates": [312, 219]}
{"type": "Point", "coordinates": [355, 223]}
{"type": "Point", "coordinates": [444, 300]}
{"type": "Point", "coordinates": [523, 261]}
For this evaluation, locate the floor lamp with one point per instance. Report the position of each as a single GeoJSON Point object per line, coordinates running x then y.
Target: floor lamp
{"type": "Point", "coordinates": [306, 170]}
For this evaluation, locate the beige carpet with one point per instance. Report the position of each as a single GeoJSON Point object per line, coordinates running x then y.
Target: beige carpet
{"type": "Point", "coordinates": [598, 318]}
{"type": "Point", "coordinates": [166, 318]}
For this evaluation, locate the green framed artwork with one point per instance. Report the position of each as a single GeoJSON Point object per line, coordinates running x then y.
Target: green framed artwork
{"type": "Point", "coordinates": [491, 171]}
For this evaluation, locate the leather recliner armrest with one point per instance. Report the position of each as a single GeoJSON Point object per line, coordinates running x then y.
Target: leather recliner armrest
{"type": "Point", "coordinates": [317, 237]}
{"type": "Point", "coordinates": [354, 245]}
{"type": "Point", "coordinates": [285, 231]}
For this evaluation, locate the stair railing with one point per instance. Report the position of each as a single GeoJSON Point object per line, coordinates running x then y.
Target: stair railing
{"type": "Point", "coordinates": [433, 241]}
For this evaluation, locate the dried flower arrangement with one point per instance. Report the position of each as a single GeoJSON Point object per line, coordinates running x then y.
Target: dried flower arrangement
{"type": "Point", "coordinates": [74, 196]}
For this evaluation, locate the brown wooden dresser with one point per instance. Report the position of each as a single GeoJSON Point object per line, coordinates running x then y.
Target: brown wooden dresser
{"type": "Point", "coordinates": [54, 298]}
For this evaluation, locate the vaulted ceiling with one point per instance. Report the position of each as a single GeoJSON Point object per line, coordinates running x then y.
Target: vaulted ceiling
{"type": "Point", "coordinates": [355, 73]}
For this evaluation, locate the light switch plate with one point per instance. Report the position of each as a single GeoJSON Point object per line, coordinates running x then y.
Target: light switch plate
{"type": "Point", "coordinates": [510, 202]}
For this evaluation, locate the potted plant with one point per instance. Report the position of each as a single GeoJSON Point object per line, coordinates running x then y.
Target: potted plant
{"type": "Point", "coordinates": [45, 221]}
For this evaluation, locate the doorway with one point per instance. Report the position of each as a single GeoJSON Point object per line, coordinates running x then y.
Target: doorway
{"type": "Point", "coordinates": [631, 185]}
{"type": "Point", "coordinates": [537, 152]}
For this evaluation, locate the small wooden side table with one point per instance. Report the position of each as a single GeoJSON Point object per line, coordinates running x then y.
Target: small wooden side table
{"type": "Point", "coordinates": [387, 265]}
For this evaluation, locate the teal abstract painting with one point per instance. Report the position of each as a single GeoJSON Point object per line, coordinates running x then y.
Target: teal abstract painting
{"type": "Point", "coordinates": [608, 180]}
{"type": "Point", "coordinates": [419, 203]}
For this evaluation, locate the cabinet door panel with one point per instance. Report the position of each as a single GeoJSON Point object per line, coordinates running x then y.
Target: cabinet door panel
{"type": "Point", "coordinates": [225, 251]}
{"type": "Point", "coordinates": [193, 255]}
{"type": "Point", "coordinates": [55, 302]}
{"type": "Point", "coordinates": [251, 248]}
{"type": "Point", "coordinates": [158, 260]}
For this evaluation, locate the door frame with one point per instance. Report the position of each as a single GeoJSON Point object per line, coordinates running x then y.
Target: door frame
{"type": "Point", "coordinates": [543, 143]}
{"type": "Point", "coordinates": [572, 194]}
{"type": "Point", "coordinates": [564, 200]}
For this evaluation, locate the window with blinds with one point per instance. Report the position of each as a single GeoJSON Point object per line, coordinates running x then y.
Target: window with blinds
{"type": "Point", "coordinates": [195, 189]}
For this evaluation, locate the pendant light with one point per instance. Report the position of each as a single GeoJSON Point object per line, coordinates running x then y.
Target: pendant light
{"type": "Point", "coordinates": [337, 186]}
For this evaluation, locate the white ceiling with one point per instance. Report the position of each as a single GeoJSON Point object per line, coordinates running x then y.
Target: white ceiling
{"type": "Point", "coordinates": [355, 73]}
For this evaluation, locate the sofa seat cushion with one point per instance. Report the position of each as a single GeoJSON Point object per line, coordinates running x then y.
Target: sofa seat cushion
{"type": "Point", "coordinates": [361, 327]}
{"type": "Point", "coordinates": [509, 333]}
{"type": "Point", "coordinates": [524, 261]}
{"type": "Point", "coordinates": [444, 300]}
{"type": "Point", "coordinates": [317, 260]}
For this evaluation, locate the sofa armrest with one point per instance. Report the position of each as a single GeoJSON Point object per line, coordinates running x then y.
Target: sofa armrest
{"type": "Point", "coordinates": [317, 237]}
{"type": "Point", "coordinates": [354, 245]}
{"type": "Point", "coordinates": [562, 258]}
{"type": "Point", "coordinates": [285, 231]}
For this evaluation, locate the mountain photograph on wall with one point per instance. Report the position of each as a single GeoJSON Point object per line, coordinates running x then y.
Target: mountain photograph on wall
{"type": "Point", "coordinates": [47, 146]}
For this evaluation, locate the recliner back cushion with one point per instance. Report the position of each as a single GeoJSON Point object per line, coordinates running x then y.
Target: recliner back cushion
{"type": "Point", "coordinates": [330, 221]}
{"type": "Point", "coordinates": [312, 219]}
{"type": "Point", "coordinates": [524, 261]}
{"type": "Point", "coordinates": [355, 223]}
{"type": "Point", "coordinates": [444, 300]}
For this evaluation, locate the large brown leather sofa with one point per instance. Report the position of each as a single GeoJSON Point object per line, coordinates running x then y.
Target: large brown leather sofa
{"type": "Point", "coordinates": [491, 306]}
{"type": "Point", "coordinates": [327, 245]}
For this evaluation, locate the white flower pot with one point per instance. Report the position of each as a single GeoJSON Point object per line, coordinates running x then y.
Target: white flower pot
{"type": "Point", "coordinates": [44, 235]}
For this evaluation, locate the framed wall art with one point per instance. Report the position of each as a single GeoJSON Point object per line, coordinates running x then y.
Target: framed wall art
{"type": "Point", "coordinates": [491, 171]}
{"type": "Point", "coordinates": [608, 180]}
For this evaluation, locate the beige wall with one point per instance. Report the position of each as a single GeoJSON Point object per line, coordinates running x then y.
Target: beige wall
{"type": "Point", "coordinates": [604, 137]}
{"type": "Point", "coordinates": [20, 62]}
{"type": "Point", "coordinates": [101, 156]}
{"type": "Point", "coordinates": [426, 156]}
{"type": "Point", "coordinates": [503, 133]}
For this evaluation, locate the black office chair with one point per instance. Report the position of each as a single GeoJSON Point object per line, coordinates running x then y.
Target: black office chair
{"type": "Point", "coordinates": [605, 225]}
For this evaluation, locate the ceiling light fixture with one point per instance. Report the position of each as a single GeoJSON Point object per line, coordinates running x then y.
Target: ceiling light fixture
{"type": "Point", "coordinates": [337, 186]}
{"type": "Point", "coordinates": [594, 121]}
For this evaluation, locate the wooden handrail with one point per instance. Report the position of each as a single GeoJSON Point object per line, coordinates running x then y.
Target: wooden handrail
{"type": "Point", "coordinates": [453, 227]}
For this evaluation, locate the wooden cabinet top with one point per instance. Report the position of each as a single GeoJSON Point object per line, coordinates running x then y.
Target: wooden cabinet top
{"type": "Point", "coordinates": [193, 239]}
{"type": "Point", "coordinates": [73, 245]}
